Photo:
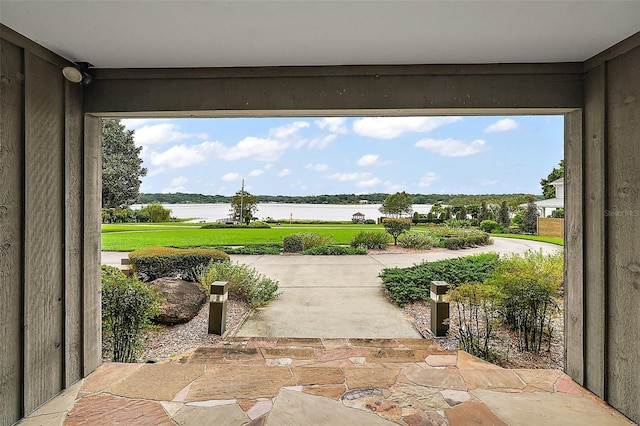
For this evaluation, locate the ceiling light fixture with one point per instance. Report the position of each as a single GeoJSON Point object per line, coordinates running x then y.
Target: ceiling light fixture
{"type": "Point", "coordinates": [78, 73]}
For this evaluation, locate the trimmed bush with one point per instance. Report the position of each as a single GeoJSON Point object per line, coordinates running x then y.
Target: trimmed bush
{"type": "Point", "coordinates": [405, 285]}
{"type": "Point", "coordinates": [157, 262]}
{"type": "Point", "coordinates": [417, 240]}
{"type": "Point", "coordinates": [244, 282]}
{"type": "Point", "coordinates": [373, 240]}
{"type": "Point", "coordinates": [127, 309]}
{"type": "Point", "coordinates": [334, 250]}
{"type": "Point", "coordinates": [253, 249]}
{"type": "Point", "coordinates": [259, 224]}
{"type": "Point", "coordinates": [458, 223]}
{"type": "Point", "coordinates": [293, 243]}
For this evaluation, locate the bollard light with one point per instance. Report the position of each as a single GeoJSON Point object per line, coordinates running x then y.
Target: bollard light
{"type": "Point", "coordinates": [218, 307]}
{"type": "Point", "coordinates": [439, 308]}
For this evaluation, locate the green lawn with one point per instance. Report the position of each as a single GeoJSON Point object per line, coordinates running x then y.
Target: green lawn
{"type": "Point", "coordinates": [552, 240]}
{"type": "Point", "coordinates": [128, 237]}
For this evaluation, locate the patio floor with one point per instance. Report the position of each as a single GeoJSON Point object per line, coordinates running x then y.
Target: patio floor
{"type": "Point", "coordinates": [300, 381]}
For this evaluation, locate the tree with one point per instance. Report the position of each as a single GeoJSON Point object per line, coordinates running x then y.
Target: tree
{"type": "Point", "coordinates": [396, 227]}
{"type": "Point", "coordinates": [484, 213]}
{"type": "Point", "coordinates": [503, 215]}
{"type": "Point", "coordinates": [530, 218]}
{"type": "Point", "coordinates": [121, 166]}
{"type": "Point", "coordinates": [397, 205]}
{"type": "Point", "coordinates": [548, 191]}
{"type": "Point", "coordinates": [243, 206]}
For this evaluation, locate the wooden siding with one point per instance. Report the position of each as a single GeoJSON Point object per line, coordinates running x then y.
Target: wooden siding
{"type": "Point", "coordinates": [49, 339]}
{"type": "Point", "coordinates": [11, 237]}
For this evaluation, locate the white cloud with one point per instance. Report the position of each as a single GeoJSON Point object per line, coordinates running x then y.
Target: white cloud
{"type": "Point", "coordinates": [256, 172]}
{"type": "Point", "coordinates": [427, 179]}
{"type": "Point", "coordinates": [230, 177]}
{"type": "Point", "coordinates": [284, 172]}
{"type": "Point", "coordinates": [334, 124]}
{"type": "Point", "coordinates": [501, 126]}
{"type": "Point", "coordinates": [258, 148]}
{"type": "Point", "coordinates": [176, 185]}
{"type": "Point", "coordinates": [161, 133]}
{"type": "Point", "coordinates": [392, 127]}
{"type": "Point", "coordinates": [489, 182]}
{"type": "Point", "coordinates": [368, 160]}
{"type": "Point", "coordinates": [347, 177]}
{"type": "Point", "coordinates": [317, 167]}
{"type": "Point", "coordinates": [451, 147]}
{"type": "Point", "coordinates": [368, 182]}
{"type": "Point", "coordinates": [134, 123]}
{"type": "Point", "coordinates": [176, 157]}
{"type": "Point", "coordinates": [288, 130]}
{"type": "Point", "coordinates": [321, 143]}
{"type": "Point", "coordinates": [267, 166]}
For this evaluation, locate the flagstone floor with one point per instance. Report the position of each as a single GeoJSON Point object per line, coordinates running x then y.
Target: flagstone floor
{"type": "Point", "coordinates": [299, 381]}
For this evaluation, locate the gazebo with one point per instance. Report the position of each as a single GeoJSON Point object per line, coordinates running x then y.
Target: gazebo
{"type": "Point", "coordinates": [357, 218]}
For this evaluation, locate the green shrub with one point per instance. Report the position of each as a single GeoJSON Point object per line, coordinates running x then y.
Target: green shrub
{"type": "Point", "coordinates": [417, 240]}
{"type": "Point", "coordinates": [491, 226]}
{"type": "Point", "coordinates": [293, 243]}
{"type": "Point", "coordinates": [458, 223]}
{"type": "Point", "coordinates": [477, 311]}
{"type": "Point", "coordinates": [156, 262]}
{"type": "Point", "coordinates": [244, 282]}
{"type": "Point", "coordinates": [373, 240]}
{"type": "Point", "coordinates": [157, 213]}
{"type": "Point", "coordinates": [252, 249]}
{"type": "Point", "coordinates": [396, 227]}
{"type": "Point", "coordinates": [405, 285]}
{"type": "Point", "coordinates": [259, 224]}
{"type": "Point", "coordinates": [310, 239]}
{"type": "Point", "coordinates": [370, 222]}
{"type": "Point", "coordinates": [334, 250]}
{"type": "Point", "coordinates": [127, 309]}
{"type": "Point", "coordinates": [531, 287]}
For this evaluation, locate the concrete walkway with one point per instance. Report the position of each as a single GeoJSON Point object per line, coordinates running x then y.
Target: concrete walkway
{"type": "Point", "coordinates": [321, 382]}
{"type": "Point", "coordinates": [340, 296]}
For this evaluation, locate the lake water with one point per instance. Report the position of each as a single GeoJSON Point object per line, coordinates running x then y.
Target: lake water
{"type": "Point", "coordinates": [212, 212]}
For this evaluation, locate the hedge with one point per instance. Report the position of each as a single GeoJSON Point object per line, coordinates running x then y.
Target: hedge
{"type": "Point", "coordinates": [157, 262]}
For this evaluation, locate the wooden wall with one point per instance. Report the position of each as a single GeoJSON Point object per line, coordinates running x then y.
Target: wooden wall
{"type": "Point", "coordinates": [47, 326]}
{"type": "Point", "coordinates": [603, 301]}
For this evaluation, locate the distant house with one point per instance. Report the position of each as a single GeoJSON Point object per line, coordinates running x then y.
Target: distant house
{"type": "Point", "coordinates": [357, 218]}
{"type": "Point", "coordinates": [549, 205]}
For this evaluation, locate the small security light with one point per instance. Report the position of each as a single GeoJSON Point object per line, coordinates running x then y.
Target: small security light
{"type": "Point", "coordinates": [78, 73]}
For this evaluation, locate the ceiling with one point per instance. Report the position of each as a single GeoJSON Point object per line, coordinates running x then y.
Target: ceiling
{"type": "Point", "coordinates": [213, 33]}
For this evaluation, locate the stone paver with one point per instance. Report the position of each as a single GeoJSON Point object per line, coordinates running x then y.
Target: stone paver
{"type": "Point", "coordinates": [291, 407]}
{"type": "Point", "coordinates": [473, 413]}
{"type": "Point", "coordinates": [248, 382]}
{"type": "Point", "coordinates": [241, 387]}
{"type": "Point", "coordinates": [533, 409]}
{"type": "Point", "coordinates": [230, 414]}
{"type": "Point", "coordinates": [160, 382]}
{"type": "Point", "coordinates": [105, 409]}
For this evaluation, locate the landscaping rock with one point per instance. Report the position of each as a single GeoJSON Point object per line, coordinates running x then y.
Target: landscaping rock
{"type": "Point", "coordinates": [182, 300]}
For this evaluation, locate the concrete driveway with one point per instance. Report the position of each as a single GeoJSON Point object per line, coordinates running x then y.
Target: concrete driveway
{"type": "Point", "coordinates": [340, 296]}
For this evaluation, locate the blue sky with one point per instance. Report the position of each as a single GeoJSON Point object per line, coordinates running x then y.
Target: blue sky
{"type": "Point", "coordinates": [307, 156]}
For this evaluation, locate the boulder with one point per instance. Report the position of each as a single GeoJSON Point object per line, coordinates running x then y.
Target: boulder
{"type": "Point", "coordinates": [182, 300]}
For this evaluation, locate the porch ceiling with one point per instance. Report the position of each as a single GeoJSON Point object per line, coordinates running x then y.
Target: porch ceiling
{"type": "Point", "coordinates": [146, 34]}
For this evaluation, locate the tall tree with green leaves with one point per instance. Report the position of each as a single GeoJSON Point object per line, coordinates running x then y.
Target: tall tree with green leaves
{"type": "Point", "coordinates": [397, 205]}
{"type": "Point", "coordinates": [121, 166]}
{"type": "Point", "coordinates": [504, 218]}
{"type": "Point", "coordinates": [243, 206]}
{"type": "Point", "coordinates": [548, 191]}
{"type": "Point", "coordinates": [530, 218]}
